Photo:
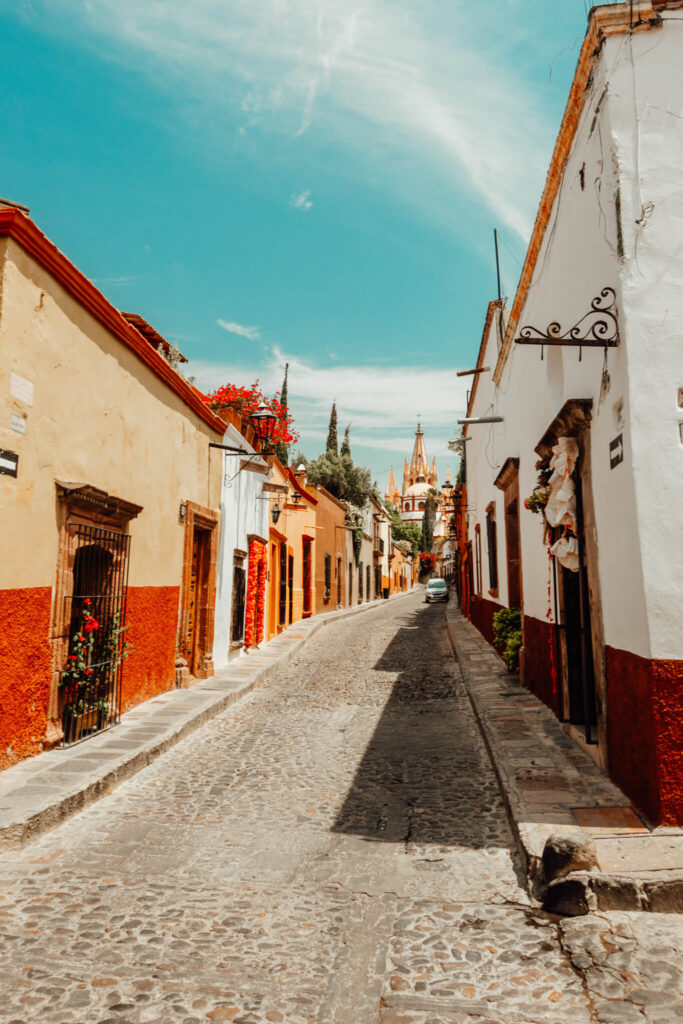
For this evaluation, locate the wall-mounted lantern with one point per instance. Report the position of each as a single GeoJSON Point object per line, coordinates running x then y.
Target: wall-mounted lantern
{"type": "Point", "coordinates": [264, 421]}
{"type": "Point", "coordinates": [275, 514]}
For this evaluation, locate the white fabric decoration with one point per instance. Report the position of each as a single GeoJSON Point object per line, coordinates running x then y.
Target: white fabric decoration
{"type": "Point", "coordinates": [561, 507]}
{"type": "Point", "coordinates": [566, 551]}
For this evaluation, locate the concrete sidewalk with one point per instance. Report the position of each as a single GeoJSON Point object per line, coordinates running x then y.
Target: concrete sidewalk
{"type": "Point", "coordinates": [39, 793]}
{"type": "Point", "coordinates": [583, 845]}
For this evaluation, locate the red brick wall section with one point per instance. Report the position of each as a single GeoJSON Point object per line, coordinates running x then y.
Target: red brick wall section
{"type": "Point", "coordinates": [152, 614]}
{"type": "Point", "coordinates": [645, 732]}
{"type": "Point", "coordinates": [481, 615]}
{"type": "Point", "coordinates": [24, 671]}
{"type": "Point", "coordinates": [539, 649]}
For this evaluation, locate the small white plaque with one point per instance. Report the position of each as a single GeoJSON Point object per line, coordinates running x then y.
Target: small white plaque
{"type": "Point", "coordinates": [21, 388]}
{"type": "Point", "coordinates": [17, 423]}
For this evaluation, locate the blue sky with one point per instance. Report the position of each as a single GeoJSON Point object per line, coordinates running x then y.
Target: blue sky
{"type": "Point", "coordinates": [305, 180]}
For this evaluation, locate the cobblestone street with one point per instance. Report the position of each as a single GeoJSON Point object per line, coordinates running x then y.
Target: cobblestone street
{"type": "Point", "coordinates": [333, 850]}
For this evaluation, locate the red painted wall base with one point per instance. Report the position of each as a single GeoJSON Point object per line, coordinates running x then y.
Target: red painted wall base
{"type": "Point", "coordinates": [24, 672]}
{"type": "Point", "coordinates": [645, 732]}
{"type": "Point", "coordinates": [152, 613]}
{"type": "Point", "coordinates": [481, 616]}
{"type": "Point", "coordinates": [538, 662]}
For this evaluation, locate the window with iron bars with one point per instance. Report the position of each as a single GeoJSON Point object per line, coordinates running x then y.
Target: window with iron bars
{"type": "Point", "coordinates": [95, 610]}
{"type": "Point", "coordinates": [328, 576]}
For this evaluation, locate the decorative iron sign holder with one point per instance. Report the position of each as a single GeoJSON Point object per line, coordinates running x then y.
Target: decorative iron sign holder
{"type": "Point", "coordinates": [598, 328]}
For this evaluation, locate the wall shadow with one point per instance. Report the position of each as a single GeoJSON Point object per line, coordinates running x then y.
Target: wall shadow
{"type": "Point", "coordinates": [425, 777]}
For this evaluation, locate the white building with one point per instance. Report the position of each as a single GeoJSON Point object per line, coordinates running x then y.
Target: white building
{"type": "Point", "coordinates": [244, 531]}
{"type": "Point", "coordinates": [590, 351]}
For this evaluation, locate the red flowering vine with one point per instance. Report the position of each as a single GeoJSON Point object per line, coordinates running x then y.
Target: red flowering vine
{"type": "Point", "coordinates": [254, 623]}
{"type": "Point", "coordinates": [247, 400]}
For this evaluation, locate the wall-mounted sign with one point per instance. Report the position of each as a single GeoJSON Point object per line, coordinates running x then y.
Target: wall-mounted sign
{"type": "Point", "coordinates": [21, 388]}
{"type": "Point", "coordinates": [616, 451]}
{"type": "Point", "coordinates": [9, 461]}
{"type": "Point", "coordinates": [17, 423]}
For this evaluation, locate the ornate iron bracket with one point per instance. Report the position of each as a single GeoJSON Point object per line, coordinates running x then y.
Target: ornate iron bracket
{"type": "Point", "coordinates": [599, 328]}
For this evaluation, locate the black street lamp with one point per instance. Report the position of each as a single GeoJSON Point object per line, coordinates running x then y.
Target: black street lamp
{"type": "Point", "coordinates": [264, 420]}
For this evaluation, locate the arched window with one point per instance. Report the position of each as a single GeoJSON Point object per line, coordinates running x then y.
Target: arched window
{"type": "Point", "coordinates": [407, 506]}
{"type": "Point", "coordinates": [421, 506]}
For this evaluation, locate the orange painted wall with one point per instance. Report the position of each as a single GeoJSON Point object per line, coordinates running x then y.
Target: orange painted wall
{"type": "Point", "coordinates": [24, 671]}
{"type": "Point", "coordinates": [152, 613]}
{"type": "Point", "coordinates": [645, 732]}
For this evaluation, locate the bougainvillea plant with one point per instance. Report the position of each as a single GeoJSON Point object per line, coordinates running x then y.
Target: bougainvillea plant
{"type": "Point", "coordinates": [427, 561]}
{"type": "Point", "coordinates": [246, 401]}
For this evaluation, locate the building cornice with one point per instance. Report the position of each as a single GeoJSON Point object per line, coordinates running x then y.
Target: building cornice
{"type": "Point", "coordinates": [16, 225]}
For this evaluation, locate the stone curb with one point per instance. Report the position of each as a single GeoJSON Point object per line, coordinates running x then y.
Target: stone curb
{"type": "Point", "coordinates": [38, 794]}
{"type": "Point", "coordinates": [577, 892]}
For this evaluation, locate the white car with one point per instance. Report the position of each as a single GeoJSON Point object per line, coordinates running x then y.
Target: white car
{"type": "Point", "coordinates": [436, 590]}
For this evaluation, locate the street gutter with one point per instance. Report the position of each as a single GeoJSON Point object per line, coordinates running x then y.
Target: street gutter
{"type": "Point", "coordinates": [543, 778]}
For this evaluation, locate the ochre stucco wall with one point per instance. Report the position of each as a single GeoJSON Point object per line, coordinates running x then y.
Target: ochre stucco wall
{"type": "Point", "coordinates": [645, 732]}
{"type": "Point", "coordinates": [330, 540]}
{"type": "Point", "coordinates": [99, 416]}
{"type": "Point", "coordinates": [24, 671]}
{"type": "Point", "coordinates": [152, 614]}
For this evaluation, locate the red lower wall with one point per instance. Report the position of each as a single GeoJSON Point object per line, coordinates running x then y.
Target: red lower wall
{"type": "Point", "coordinates": [481, 615]}
{"type": "Point", "coordinates": [24, 671]}
{"type": "Point", "coordinates": [152, 614]}
{"type": "Point", "coordinates": [539, 651]}
{"type": "Point", "coordinates": [645, 732]}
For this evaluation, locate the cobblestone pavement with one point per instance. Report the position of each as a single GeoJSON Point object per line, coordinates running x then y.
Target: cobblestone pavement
{"type": "Point", "coordinates": [334, 850]}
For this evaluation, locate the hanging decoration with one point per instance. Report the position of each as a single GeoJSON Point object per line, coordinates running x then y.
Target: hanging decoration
{"type": "Point", "coordinates": [560, 509]}
{"type": "Point", "coordinates": [551, 622]}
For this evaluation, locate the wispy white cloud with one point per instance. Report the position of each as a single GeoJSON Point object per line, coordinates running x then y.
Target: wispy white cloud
{"type": "Point", "coordinates": [381, 403]}
{"type": "Point", "coordinates": [414, 88]}
{"type": "Point", "coordinates": [301, 200]}
{"type": "Point", "coordinates": [252, 333]}
{"type": "Point", "coordinates": [116, 281]}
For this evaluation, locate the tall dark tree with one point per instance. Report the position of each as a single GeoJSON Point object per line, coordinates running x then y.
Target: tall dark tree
{"type": "Point", "coordinates": [427, 534]}
{"type": "Point", "coordinates": [332, 442]}
{"type": "Point", "coordinates": [346, 443]}
{"type": "Point", "coordinates": [282, 449]}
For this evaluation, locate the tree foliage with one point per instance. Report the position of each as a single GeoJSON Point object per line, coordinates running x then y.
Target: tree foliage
{"type": "Point", "coordinates": [338, 475]}
{"type": "Point", "coordinates": [428, 519]}
{"type": "Point", "coordinates": [401, 531]}
{"type": "Point", "coordinates": [346, 443]}
{"type": "Point", "coordinates": [332, 446]}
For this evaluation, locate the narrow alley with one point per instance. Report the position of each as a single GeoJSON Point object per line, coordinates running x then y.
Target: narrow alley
{"type": "Point", "coordinates": [333, 850]}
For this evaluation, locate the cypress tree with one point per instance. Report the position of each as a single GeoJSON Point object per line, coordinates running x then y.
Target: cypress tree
{"type": "Point", "coordinates": [427, 534]}
{"type": "Point", "coordinates": [281, 449]}
{"type": "Point", "coordinates": [332, 442]}
{"type": "Point", "coordinates": [346, 443]}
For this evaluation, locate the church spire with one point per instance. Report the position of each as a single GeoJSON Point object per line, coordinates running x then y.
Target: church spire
{"type": "Point", "coordinates": [419, 465]}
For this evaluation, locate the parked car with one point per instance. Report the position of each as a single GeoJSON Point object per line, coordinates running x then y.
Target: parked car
{"type": "Point", "coordinates": [436, 590]}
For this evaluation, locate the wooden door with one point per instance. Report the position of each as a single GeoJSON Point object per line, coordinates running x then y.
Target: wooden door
{"type": "Point", "coordinates": [198, 582]}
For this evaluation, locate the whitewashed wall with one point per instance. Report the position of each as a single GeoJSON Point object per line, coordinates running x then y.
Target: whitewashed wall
{"type": "Point", "coordinates": [638, 504]}
{"type": "Point", "coordinates": [243, 511]}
